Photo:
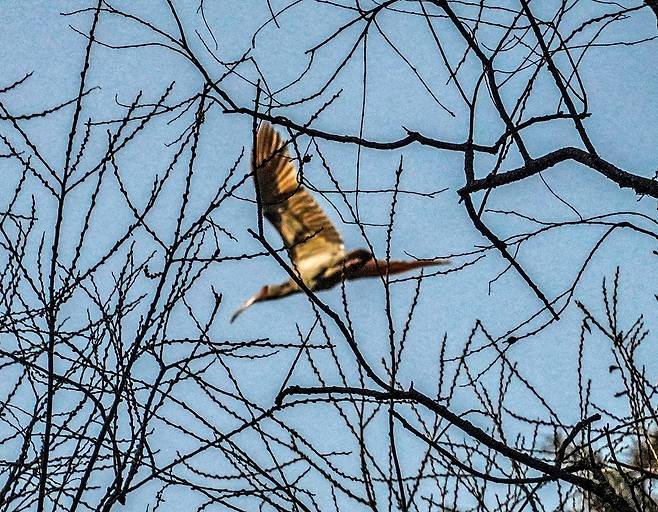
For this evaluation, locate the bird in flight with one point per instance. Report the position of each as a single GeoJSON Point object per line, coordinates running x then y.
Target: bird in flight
{"type": "Point", "coordinates": [315, 246]}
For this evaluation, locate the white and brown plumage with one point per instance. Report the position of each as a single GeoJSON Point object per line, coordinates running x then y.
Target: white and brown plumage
{"type": "Point", "coordinates": [315, 246]}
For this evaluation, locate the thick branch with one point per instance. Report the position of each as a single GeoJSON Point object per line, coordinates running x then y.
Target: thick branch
{"type": "Point", "coordinates": [624, 179]}
{"type": "Point", "coordinates": [601, 490]}
{"type": "Point", "coordinates": [353, 139]}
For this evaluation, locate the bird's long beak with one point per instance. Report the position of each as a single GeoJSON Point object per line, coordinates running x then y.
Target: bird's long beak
{"type": "Point", "coordinates": [239, 311]}
{"type": "Point", "coordinates": [263, 294]}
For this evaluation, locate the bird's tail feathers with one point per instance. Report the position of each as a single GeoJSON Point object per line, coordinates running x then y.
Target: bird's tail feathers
{"type": "Point", "coordinates": [375, 268]}
{"type": "Point", "coordinates": [397, 267]}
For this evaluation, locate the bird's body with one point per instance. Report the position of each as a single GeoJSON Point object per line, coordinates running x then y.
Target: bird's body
{"type": "Point", "coordinates": [315, 246]}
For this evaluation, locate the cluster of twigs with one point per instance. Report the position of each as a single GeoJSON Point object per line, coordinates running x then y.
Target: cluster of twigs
{"type": "Point", "coordinates": [118, 387]}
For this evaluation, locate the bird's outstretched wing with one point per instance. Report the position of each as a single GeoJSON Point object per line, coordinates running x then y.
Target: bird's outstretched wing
{"type": "Point", "coordinates": [307, 232]}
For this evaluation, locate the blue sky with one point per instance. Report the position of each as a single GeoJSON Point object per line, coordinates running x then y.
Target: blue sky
{"type": "Point", "coordinates": [622, 86]}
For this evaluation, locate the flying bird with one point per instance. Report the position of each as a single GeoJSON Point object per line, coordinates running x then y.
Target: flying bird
{"type": "Point", "coordinates": [315, 246]}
